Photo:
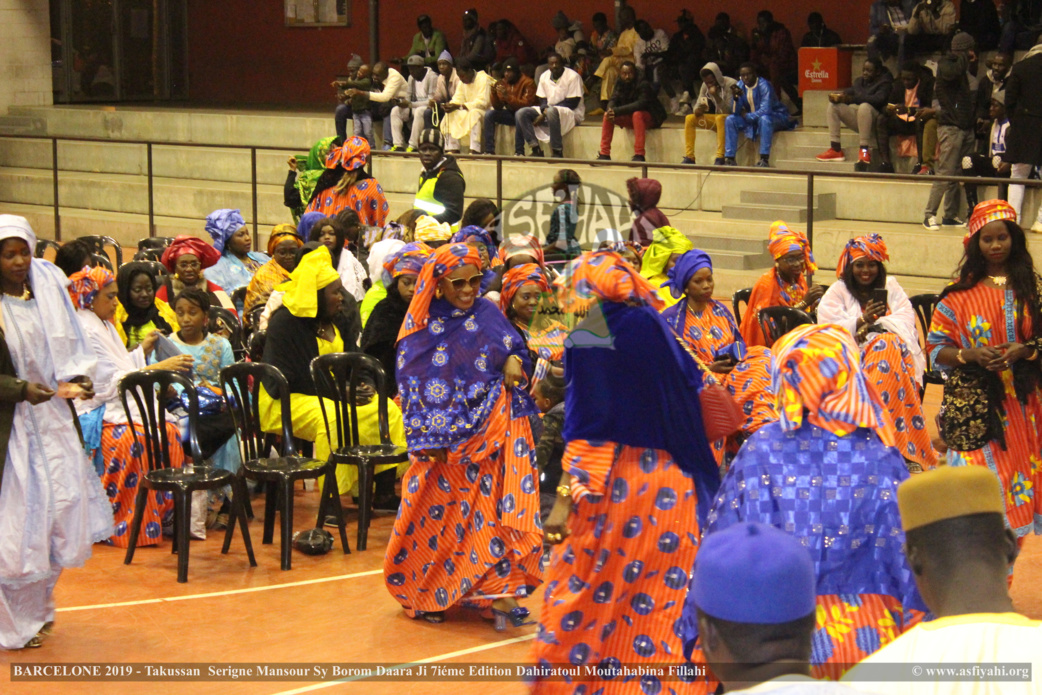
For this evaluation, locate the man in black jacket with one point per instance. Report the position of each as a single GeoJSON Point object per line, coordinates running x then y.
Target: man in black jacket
{"type": "Point", "coordinates": [633, 104]}
{"type": "Point", "coordinates": [440, 193]}
{"type": "Point", "coordinates": [859, 108]}
{"type": "Point", "coordinates": [910, 111]}
{"type": "Point", "coordinates": [955, 124]}
{"type": "Point", "coordinates": [819, 36]}
{"type": "Point", "coordinates": [1024, 142]}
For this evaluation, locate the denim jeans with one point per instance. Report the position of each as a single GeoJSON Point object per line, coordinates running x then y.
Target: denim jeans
{"type": "Point", "coordinates": [763, 128]}
{"type": "Point", "coordinates": [341, 117]}
{"type": "Point", "coordinates": [526, 129]}
{"type": "Point", "coordinates": [492, 117]}
{"type": "Point", "coordinates": [364, 126]}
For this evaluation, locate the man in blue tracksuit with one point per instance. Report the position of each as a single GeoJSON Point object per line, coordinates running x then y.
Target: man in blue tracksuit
{"type": "Point", "coordinates": [757, 112]}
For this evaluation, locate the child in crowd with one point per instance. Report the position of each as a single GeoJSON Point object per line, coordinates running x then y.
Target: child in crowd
{"type": "Point", "coordinates": [357, 90]}
{"type": "Point", "coordinates": [990, 163]}
{"type": "Point", "coordinates": [548, 395]}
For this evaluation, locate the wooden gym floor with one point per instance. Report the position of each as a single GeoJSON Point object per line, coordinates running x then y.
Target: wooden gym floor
{"type": "Point", "coordinates": [328, 609]}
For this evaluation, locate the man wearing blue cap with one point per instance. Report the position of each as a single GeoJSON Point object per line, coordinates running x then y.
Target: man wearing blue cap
{"type": "Point", "coordinates": [751, 605]}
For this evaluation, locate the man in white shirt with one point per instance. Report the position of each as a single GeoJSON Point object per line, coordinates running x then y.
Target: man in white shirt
{"type": "Point", "coordinates": [465, 112]}
{"type": "Point", "coordinates": [960, 552]}
{"type": "Point", "coordinates": [561, 108]}
{"type": "Point", "coordinates": [419, 90]}
{"type": "Point", "coordinates": [751, 606]}
{"type": "Point", "coordinates": [394, 88]}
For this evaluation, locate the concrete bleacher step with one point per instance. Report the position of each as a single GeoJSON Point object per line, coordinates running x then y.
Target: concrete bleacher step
{"type": "Point", "coordinates": [769, 213]}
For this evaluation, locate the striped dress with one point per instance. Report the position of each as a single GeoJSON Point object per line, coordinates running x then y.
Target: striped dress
{"type": "Point", "coordinates": [769, 290]}
{"type": "Point", "coordinates": [979, 317]}
{"type": "Point", "coordinates": [366, 197]}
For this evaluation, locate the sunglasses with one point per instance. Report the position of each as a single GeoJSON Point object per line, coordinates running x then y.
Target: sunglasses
{"type": "Point", "coordinates": [459, 283]}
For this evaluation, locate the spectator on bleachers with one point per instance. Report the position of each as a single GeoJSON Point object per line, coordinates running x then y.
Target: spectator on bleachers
{"type": "Point", "coordinates": [860, 108]}
{"type": "Point", "coordinates": [726, 47]}
{"type": "Point", "coordinates": [1019, 20]}
{"type": "Point", "coordinates": [561, 108]}
{"type": "Point", "coordinates": [238, 262]}
{"type": "Point", "coordinates": [819, 35]}
{"type": "Point", "coordinates": [930, 27]}
{"type": "Point", "coordinates": [346, 184]}
{"type": "Point", "coordinates": [477, 46]}
{"type": "Point", "coordinates": [356, 94]}
{"type": "Point", "coordinates": [392, 87]}
{"type": "Point", "coordinates": [650, 49]}
{"type": "Point", "coordinates": [756, 113]}
{"type": "Point", "coordinates": [910, 111]}
{"type": "Point", "coordinates": [509, 43]}
{"type": "Point", "coordinates": [409, 109]}
{"type": "Point", "coordinates": [608, 70]}
{"type": "Point", "coordinates": [428, 42]}
{"type": "Point", "coordinates": [343, 110]}
{"type": "Point", "coordinates": [682, 61]}
{"type": "Point", "coordinates": [714, 105]}
{"type": "Point", "coordinates": [773, 52]}
{"type": "Point", "coordinates": [447, 83]}
{"type": "Point", "coordinates": [888, 27]}
{"type": "Point", "coordinates": [603, 37]}
{"type": "Point", "coordinates": [440, 193]}
{"type": "Point", "coordinates": [633, 105]}
{"type": "Point", "coordinates": [465, 112]}
{"type": "Point", "coordinates": [1024, 108]}
{"type": "Point", "coordinates": [514, 92]}
{"type": "Point", "coordinates": [980, 19]}
{"type": "Point", "coordinates": [565, 46]}
{"type": "Point", "coordinates": [994, 80]}
{"type": "Point", "coordinates": [954, 130]}
{"type": "Point", "coordinates": [990, 163]}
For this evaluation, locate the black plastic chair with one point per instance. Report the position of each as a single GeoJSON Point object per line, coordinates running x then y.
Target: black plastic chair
{"type": "Point", "coordinates": [154, 242]}
{"type": "Point", "coordinates": [148, 389]}
{"type": "Point", "coordinates": [221, 319]}
{"type": "Point", "coordinates": [255, 351]}
{"type": "Point", "coordinates": [337, 378]}
{"type": "Point", "coordinates": [241, 383]}
{"type": "Point", "coordinates": [924, 305]}
{"type": "Point", "coordinates": [239, 298]}
{"type": "Point", "coordinates": [776, 321]}
{"type": "Point", "coordinates": [102, 260]}
{"type": "Point", "coordinates": [43, 244]}
{"type": "Point", "coordinates": [157, 268]}
{"type": "Point", "coordinates": [153, 255]}
{"type": "Point", "coordinates": [736, 300]}
{"type": "Point", "coordinates": [100, 245]}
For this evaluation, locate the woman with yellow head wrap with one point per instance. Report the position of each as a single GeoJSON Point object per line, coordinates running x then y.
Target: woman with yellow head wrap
{"type": "Point", "coordinates": [667, 245]}
{"type": "Point", "coordinates": [785, 284]}
{"type": "Point", "coordinates": [308, 324]}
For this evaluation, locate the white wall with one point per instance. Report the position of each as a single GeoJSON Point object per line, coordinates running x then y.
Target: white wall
{"type": "Point", "coordinates": [25, 54]}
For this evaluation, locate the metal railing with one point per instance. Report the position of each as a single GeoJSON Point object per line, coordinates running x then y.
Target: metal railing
{"type": "Point", "coordinates": [644, 167]}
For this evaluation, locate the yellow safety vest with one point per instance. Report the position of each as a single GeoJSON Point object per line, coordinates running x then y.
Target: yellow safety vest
{"type": "Point", "coordinates": [425, 199]}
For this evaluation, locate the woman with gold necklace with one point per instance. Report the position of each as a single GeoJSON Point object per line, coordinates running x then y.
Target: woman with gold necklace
{"type": "Point", "coordinates": [986, 334]}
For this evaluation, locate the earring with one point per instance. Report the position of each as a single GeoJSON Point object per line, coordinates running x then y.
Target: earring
{"type": "Point", "coordinates": [437, 293]}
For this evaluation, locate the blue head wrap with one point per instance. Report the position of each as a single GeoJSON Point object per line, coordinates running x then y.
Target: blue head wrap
{"type": "Point", "coordinates": [686, 266]}
{"type": "Point", "coordinates": [307, 221]}
{"type": "Point", "coordinates": [462, 235]}
{"type": "Point", "coordinates": [222, 224]}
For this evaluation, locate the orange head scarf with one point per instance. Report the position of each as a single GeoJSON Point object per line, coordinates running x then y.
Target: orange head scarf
{"type": "Point", "coordinates": [605, 276]}
{"type": "Point", "coordinates": [443, 261]}
{"type": "Point", "coordinates": [870, 246]}
{"type": "Point", "coordinates": [783, 241]}
{"type": "Point", "coordinates": [85, 284]}
{"type": "Point", "coordinates": [988, 211]}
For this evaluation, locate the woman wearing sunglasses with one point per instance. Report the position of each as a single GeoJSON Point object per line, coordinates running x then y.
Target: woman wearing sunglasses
{"type": "Point", "coordinates": [467, 531]}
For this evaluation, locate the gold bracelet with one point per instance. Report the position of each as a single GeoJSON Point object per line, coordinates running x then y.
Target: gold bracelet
{"type": "Point", "coordinates": [958, 356]}
{"type": "Point", "coordinates": [564, 490]}
{"type": "Point", "coordinates": [1034, 356]}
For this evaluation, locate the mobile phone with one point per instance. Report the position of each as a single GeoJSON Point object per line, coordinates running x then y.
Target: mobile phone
{"type": "Point", "coordinates": [880, 295]}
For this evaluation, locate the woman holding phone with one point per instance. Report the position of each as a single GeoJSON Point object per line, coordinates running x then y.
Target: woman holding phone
{"type": "Point", "coordinates": [876, 311]}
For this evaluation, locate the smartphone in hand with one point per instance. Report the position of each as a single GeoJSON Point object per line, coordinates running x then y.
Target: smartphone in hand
{"type": "Point", "coordinates": [881, 296]}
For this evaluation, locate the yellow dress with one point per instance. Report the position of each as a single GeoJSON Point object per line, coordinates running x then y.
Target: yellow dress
{"type": "Point", "coordinates": [309, 424]}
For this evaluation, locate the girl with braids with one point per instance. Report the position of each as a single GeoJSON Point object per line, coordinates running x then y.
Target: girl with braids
{"type": "Point", "coordinates": [986, 334]}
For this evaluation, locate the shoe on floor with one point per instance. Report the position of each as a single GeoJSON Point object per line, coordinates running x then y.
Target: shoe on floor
{"type": "Point", "coordinates": [557, 154]}
{"type": "Point", "coordinates": [688, 160]}
{"type": "Point", "coordinates": [604, 157]}
{"type": "Point", "coordinates": [410, 149]}
{"type": "Point", "coordinates": [763, 163]}
{"type": "Point", "coordinates": [931, 223]}
{"type": "Point", "coordinates": [718, 162]}
{"type": "Point", "coordinates": [596, 112]}
{"type": "Point", "coordinates": [924, 171]}
{"type": "Point", "coordinates": [953, 222]}
{"type": "Point", "coordinates": [537, 152]}
{"type": "Point", "coordinates": [397, 148]}
{"type": "Point", "coordinates": [831, 155]}
{"type": "Point", "coordinates": [638, 158]}
{"type": "Point", "coordinates": [886, 168]}
{"type": "Point", "coordinates": [864, 160]}
{"type": "Point", "coordinates": [730, 162]}
{"type": "Point", "coordinates": [1037, 227]}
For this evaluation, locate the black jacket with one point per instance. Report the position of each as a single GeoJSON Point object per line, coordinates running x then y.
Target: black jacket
{"type": "Point", "coordinates": [826, 39]}
{"type": "Point", "coordinates": [1024, 108]}
{"type": "Point", "coordinates": [449, 190]}
{"type": "Point", "coordinates": [639, 95]}
{"type": "Point", "coordinates": [875, 93]}
{"type": "Point", "coordinates": [953, 92]}
{"type": "Point", "coordinates": [380, 337]}
{"type": "Point", "coordinates": [985, 88]}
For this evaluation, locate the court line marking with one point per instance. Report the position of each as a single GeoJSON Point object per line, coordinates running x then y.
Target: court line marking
{"type": "Point", "coordinates": [213, 594]}
{"type": "Point", "coordinates": [428, 660]}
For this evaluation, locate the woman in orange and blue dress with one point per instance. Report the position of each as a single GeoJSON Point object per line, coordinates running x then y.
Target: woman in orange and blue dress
{"type": "Point", "coordinates": [708, 328]}
{"type": "Point", "coordinates": [827, 472]}
{"type": "Point", "coordinates": [785, 284]}
{"type": "Point", "coordinates": [986, 334]}
{"type": "Point", "coordinates": [888, 337]}
{"type": "Point", "coordinates": [468, 530]}
{"type": "Point", "coordinates": [346, 185]}
{"type": "Point", "coordinates": [634, 492]}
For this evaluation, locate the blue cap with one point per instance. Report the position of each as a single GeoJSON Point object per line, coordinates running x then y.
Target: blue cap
{"type": "Point", "coordinates": [749, 573]}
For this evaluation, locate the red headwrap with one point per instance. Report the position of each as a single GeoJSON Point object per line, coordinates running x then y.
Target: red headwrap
{"type": "Point", "coordinates": [85, 284]}
{"type": "Point", "coordinates": [353, 154]}
{"type": "Point", "coordinates": [516, 278]}
{"type": "Point", "coordinates": [988, 211]}
{"type": "Point", "coordinates": [603, 275]}
{"type": "Point", "coordinates": [522, 245]}
{"type": "Point", "coordinates": [443, 261]}
{"type": "Point", "coordinates": [183, 244]}
{"type": "Point", "coordinates": [870, 246]}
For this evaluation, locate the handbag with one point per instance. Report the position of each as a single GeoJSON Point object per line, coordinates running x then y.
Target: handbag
{"type": "Point", "coordinates": [721, 416]}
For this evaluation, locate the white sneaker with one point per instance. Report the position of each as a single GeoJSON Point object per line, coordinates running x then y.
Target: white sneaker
{"type": "Point", "coordinates": [674, 105]}
{"type": "Point", "coordinates": [931, 223]}
{"type": "Point", "coordinates": [1037, 227]}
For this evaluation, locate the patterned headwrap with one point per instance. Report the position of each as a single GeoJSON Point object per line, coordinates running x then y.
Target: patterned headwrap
{"type": "Point", "coordinates": [281, 232]}
{"type": "Point", "coordinates": [408, 260]}
{"type": "Point", "coordinates": [518, 276]}
{"type": "Point", "coordinates": [443, 261]}
{"type": "Point", "coordinates": [429, 229]}
{"type": "Point", "coordinates": [483, 236]}
{"type": "Point", "coordinates": [353, 154]}
{"type": "Point", "coordinates": [185, 244]}
{"type": "Point", "coordinates": [313, 273]}
{"type": "Point", "coordinates": [307, 221]}
{"type": "Point", "coordinates": [817, 368]}
{"type": "Point", "coordinates": [522, 245]}
{"type": "Point", "coordinates": [606, 276]}
{"type": "Point", "coordinates": [665, 242]}
{"type": "Point", "coordinates": [870, 246]}
{"type": "Point", "coordinates": [620, 247]}
{"type": "Point", "coordinates": [549, 344]}
{"type": "Point", "coordinates": [681, 273]}
{"type": "Point", "coordinates": [222, 225]}
{"type": "Point", "coordinates": [85, 284]}
{"type": "Point", "coordinates": [988, 211]}
{"type": "Point", "coordinates": [783, 241]}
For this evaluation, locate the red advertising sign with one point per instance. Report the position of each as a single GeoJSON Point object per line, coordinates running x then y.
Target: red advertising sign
{"type": "Point", "coordinates": [824, 69]}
